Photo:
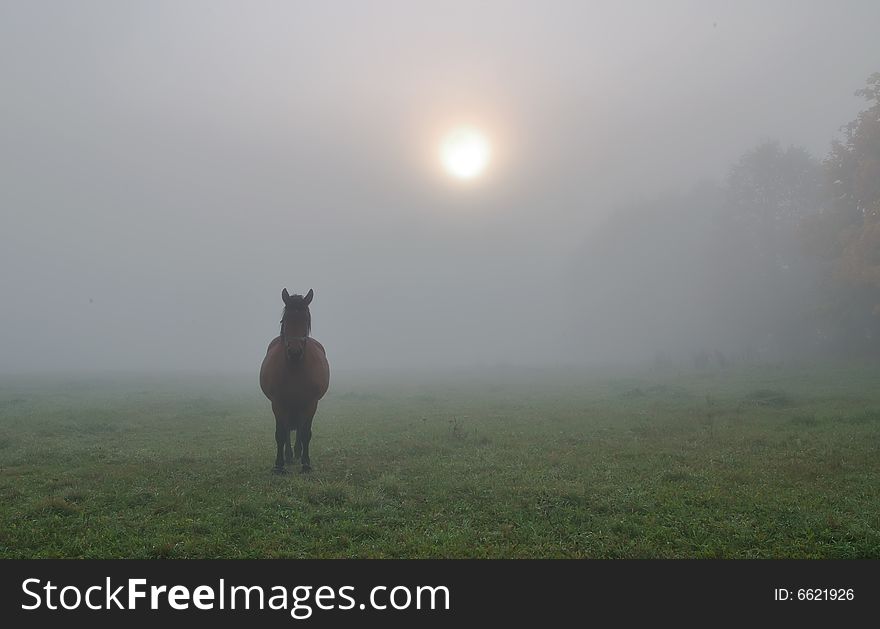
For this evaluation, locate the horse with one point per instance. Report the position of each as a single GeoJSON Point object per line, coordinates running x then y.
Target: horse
{"type": "Point", "coordinates": [294, 375]}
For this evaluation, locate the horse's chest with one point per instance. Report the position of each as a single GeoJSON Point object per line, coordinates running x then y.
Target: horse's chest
{"type": "Point", "coordinates": [298, 384]}
{"type": "Point", "coordinates": [299, 387]}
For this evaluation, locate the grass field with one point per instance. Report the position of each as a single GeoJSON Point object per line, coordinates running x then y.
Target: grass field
{"type": "Point", "coordinates": [764, 462]}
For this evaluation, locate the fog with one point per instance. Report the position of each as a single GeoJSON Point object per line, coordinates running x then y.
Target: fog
{"type": "Point", "coordinates": [166, 168]}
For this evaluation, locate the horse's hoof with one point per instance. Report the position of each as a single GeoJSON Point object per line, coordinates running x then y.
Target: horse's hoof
{"type": "Point", "coordinates": [306, 468]}
{"type": "Point", "coordinates": [279, 470]}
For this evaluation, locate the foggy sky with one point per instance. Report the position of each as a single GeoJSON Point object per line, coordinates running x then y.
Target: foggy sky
{"type": "Point", "coordinates": [166, 168]}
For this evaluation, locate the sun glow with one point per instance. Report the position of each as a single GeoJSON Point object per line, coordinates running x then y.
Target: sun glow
{"type": "Point", "coordinates": [465, 153]}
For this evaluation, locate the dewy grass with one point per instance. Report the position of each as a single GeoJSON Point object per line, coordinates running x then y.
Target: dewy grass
{"type": "Point", "coordinates": [751, 463]}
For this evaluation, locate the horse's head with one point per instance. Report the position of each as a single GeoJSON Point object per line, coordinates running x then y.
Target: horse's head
{"type": "Point", "coordinates": [296, 323]}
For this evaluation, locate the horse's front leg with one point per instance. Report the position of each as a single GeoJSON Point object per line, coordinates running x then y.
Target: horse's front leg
{"type": "Point", "coordinates": [304, 435]}
{"type": "Point", "coordinates": [282, 435]}
{"type": "Point", "coordinates": [280, 439]}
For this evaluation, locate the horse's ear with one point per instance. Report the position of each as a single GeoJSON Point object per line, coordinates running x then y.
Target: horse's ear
{"type": "Point", "coordinates": [285, 296]}
{"type": "Point", "coordinates": [308, 297]}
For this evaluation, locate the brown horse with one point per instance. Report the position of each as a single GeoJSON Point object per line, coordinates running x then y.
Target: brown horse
{"type": "Point", "coordinates": [294, 376]}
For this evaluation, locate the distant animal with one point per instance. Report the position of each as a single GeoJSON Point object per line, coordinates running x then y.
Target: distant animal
{"type": "Point", "coordinates": [294, 375]}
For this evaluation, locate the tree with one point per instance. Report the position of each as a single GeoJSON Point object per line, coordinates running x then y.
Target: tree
{"type": "Point", "coordinates": [717, 269]}
{"type": "Point", "coordinates": [770, 191]}
{"type": "Point", "coordinates": [765, 277]}
{"type": "Point", "coordinates": [847, 234]}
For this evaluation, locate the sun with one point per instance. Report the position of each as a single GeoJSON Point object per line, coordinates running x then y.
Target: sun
{"type": "Point", "coordinates": [465, 153]}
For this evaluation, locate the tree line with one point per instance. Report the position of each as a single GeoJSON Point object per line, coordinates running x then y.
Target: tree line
{"type": "Point", "coordinates": [781, 259]}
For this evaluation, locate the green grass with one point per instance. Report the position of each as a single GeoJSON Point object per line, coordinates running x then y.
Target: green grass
{"type": "Point", "coordinates": [766, 462]}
